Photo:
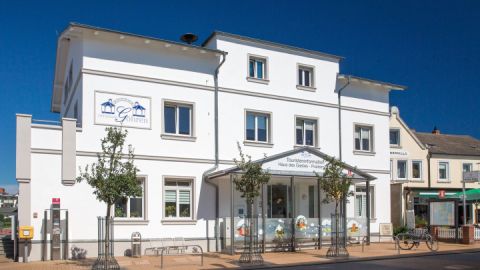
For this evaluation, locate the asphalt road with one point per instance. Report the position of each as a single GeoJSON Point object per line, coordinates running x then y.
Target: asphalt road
{"type": "Point", "coordinates": [463, 261]}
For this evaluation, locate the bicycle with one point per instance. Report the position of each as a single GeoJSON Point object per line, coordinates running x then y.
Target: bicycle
{"type": "Point", "coordinates": [407, 241]}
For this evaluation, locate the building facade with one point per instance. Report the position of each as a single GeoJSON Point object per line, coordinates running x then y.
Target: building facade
{"type": "Point", "coordinates": [428, 166]}
{"type": "Point", "coordinates": [185, 108]}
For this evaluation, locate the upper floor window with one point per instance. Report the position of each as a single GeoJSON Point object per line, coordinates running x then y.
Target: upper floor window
{"type": "Point", "coordinates": [467, 167]}
{"type": "Point", "coordinates": [443, 171]}
{"type": "Point", "coordinates": [132, 207]}
{"type": "Point", "coordinates": [305, 76]}
{"type": "Point", "coordinates": [177, 198]}
{"type": "Point", "coordinates": [363, 138]}
{"type": "Point", "coordinates": [416, 169]}
{"type": "Point", "coordinates": [257, 127]}
{"type": "Point", "coordinates": [394, 137]}
{"type": "Point", "coordinates": [257, 67]}
{"type": "Point", "coordinates": [401, 169]}
{"type": "Point", "coordinates": [178, 119]}
{"type": "Point", "coordinates": [305, 132]}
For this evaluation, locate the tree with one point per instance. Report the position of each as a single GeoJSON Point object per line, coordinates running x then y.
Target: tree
{"type": "Point", "coordinates": [249, 184]}
{"type": "Point", "coordinates": [114, 176]}
{"type": "Point", "coordinates": [336, 186]}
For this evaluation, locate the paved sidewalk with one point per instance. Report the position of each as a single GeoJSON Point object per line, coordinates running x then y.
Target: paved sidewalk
{"type": "Point", "coordinates": [220, 261]}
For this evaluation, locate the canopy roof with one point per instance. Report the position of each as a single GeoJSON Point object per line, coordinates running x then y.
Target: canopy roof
{"type": "Point", "coordinates": [302, 161]}
{"type": "Point", "coordinates": [472, 194]}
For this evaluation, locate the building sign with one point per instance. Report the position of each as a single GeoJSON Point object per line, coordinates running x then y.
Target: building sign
{"type": "Point", "coordinates": [441, 194]}
{"type": "Point", "coordinates": [473, 176]}
{"type": "Point", "coordinates": [397, 152]}
{"type": "Point", "coordinates": [55, 200]}
{"type": "Point", "coordinates": [122, 110]}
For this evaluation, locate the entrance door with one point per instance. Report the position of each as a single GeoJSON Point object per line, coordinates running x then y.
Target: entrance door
{"type": "Point", "coordinates": [278, 216]}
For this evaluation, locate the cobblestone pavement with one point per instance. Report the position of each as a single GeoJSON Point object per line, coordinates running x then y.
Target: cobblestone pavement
{"type": "Point", "coordinates": [219, 261]}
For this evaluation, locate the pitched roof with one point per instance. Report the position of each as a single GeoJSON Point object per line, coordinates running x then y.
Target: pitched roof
{"type": "Point", "coordinates": [450, 144]}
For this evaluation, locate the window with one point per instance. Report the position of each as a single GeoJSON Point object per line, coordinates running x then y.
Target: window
{"type": "Point", "coordinates": [178, 119]}
{"type": "Point", "coordinates": [257, 68]}
{"type": "Point", "coordinates": [257, 127]}
{"type": "Point", "coordinates": [361, 202]}
{"type": "Point", "coordinates": [416, 169]}
{"type": "Point", "coordinates": [178, 198]}
{"type": "Point", "coordinates": [394, 137]}
{"type": "Point", "coordinates": [305, 132]}
{"type": "Point", "coordinates": [363, 138]}
{"type": "Point", "coordinates": [443, 171]}
{"type": "Point", "coordinates": [401, 169]}
{"type": "Point", "coordinates": [132, 207]}
{"type": "Point", "coordinates": [467, 167]}
{"type": "Point", "coordinates": [305, 76]}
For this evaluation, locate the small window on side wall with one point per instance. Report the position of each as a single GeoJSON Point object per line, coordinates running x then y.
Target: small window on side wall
{"type": "Point", "coordinates": [394, 137]}
{"type": "Point", "coordinates": [257, 68]}
{"type": "Point", "coordinates": [305, 76]}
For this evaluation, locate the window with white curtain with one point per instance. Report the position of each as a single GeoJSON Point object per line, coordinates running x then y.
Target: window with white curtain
{"type": "Point", "coordinates": [361, 201]}
{"type": "Point", "coordinates": [443, 171]}
{"type": "Point", "coordinates": [305, 132]}
{"type": "Point", "coordinates": [363, 138]}
{"type": "Point", "coordinates": [178, 199]}
{"type": "Point", "coordinates": [401, 169]}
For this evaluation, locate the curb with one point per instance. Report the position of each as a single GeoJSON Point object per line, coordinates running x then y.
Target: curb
{"type": "Point", "coordinates": [389, 257]}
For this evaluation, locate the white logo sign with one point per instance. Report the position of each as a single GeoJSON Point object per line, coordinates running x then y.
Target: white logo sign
{"type": "Point", "coordinates": [300, 162]}
{"type": "Point", "coordinates": [122, 110]}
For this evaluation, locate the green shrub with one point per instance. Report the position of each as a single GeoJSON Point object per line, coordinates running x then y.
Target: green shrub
{"type": "Point", "coordinates": [401, 229]}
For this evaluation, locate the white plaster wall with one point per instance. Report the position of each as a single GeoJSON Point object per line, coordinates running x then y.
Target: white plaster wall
{"type": "Point", "coordinates": [46, 138]}
{"type": "Point", "coordinates": [74, 57]}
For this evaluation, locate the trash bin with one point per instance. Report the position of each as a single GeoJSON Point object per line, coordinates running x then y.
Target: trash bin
{"type": "Point", "coordinates": [136, 244]}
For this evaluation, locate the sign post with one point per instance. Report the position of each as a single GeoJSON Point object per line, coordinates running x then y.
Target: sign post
{"type": "Point", "coordinates": [468, 177]}
{"type": "Point", "coordinates": [56, 230]}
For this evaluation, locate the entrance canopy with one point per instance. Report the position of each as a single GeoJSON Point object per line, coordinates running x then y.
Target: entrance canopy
{"type": "Point", "coordinates": [303, 161]}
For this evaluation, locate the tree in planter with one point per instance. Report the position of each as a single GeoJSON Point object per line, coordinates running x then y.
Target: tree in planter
{"type": "Point", "coordinates": [249, 184]}
{"type": "Point", "coordinates": [113, 177]}
{"type": "Point", "coordinates": [336, 186]}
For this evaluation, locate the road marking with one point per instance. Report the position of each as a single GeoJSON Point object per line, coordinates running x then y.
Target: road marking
{"type": "Point", "coordinates": [458, 267]}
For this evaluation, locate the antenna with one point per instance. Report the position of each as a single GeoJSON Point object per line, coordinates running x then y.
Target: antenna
{"type": "Point", "coordinates": [189, 38]}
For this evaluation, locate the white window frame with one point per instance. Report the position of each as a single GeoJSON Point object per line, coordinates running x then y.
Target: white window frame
{"type": "Point", "coordinates": [469, 165]}
{"type": "Point", "coordinates": [177, 104]}
{"type": "Point", "coordinates": [268, 123]}
{"type": "Point", "coordinates": [143, 179]}
{"type": "Point", "coordinates": [315, 130]}
{"type": "Point", "coordinates": [257, 58]}
{"type": "Point", "coordinates": [301, 68]}
{"type": "Point", "coordinates": [398, 136]}
{"type": "Point", "coordinates": [190, 188]}
{"type": "Point", "coordinates": [371, 138]}
{"type": "Point", "coordinates": [420, 171]}
{"type": "Point", "coordinates": [447, 173]}
{"type": "Point", "coordinates": [364, 195]}
{"type": "Point", "coordinates": [406, 169]}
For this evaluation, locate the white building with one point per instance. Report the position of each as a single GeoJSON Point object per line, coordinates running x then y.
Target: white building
{"type": "Point", "coordinates": [273, 99]}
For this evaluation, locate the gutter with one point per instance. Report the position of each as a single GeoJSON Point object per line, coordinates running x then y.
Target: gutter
{"type": "Point", "coordinates": [215, 166]}
{"type": "Point", "coordinates": [429, 155]}
{"type": "Point", "coordinates": [340, 117]}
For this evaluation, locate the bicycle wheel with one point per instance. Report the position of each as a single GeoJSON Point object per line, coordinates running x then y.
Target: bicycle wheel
{"type": "Point", "coordinates": [405, 241]}
{"type": "Point", "coordinates": [431, 242]}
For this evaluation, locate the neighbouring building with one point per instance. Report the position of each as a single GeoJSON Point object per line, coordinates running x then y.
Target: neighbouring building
{"type": "Point", "coordinates": [186, 107]}
{"type": "Point", "coordinates": [428, 166]}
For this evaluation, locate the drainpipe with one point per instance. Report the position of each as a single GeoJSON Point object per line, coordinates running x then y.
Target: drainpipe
{"type": "Point", "coordinates": [215, 166]}
{"type": "Point", "coordinates": [344, 203]}
{"type": "Point", "coordinates": [429, 155]}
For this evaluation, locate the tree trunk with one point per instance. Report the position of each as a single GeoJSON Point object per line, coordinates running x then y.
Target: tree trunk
{"type": "Point", "coordinates": [250, 229]}
{"type": "Point", "coordinates": [336, 228]}
{"type": "Point", "coordinates": [107, 233]}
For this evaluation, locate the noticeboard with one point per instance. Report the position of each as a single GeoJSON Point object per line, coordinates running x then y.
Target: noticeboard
{"type": "Point", "coordinates": [442, 212]}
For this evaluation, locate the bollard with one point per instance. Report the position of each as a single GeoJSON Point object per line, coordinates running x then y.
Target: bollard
{"type": "Point", "coordinates": [25, 251]}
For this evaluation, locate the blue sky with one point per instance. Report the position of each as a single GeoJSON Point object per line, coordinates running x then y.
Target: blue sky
{"type": "Point", "coordinates": [433, 47]}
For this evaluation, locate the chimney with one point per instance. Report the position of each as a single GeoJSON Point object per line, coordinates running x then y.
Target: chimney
{"type": "Point", "coordinates": [435, 131]}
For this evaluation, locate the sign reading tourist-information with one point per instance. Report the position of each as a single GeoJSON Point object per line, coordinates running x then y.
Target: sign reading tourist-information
{"type": "Point", "coordinates": [122, 110]}
{"type": "Point", "coordinates": [303, 162]}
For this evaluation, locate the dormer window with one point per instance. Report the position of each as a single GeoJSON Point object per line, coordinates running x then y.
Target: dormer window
{"type": "Point", "coordinates": [257, 69]}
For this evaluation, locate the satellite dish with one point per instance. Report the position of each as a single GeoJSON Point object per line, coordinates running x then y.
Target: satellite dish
{"type": "Point", "coordinates": [189, 38]}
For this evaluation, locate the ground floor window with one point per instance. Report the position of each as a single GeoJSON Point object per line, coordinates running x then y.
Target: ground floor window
{"type": "Point", "coordinates": [361, 202]}
{"type": "Point", "coordinates": [132, 207]}
{"type": "Point", "coordinates": [178, 198]}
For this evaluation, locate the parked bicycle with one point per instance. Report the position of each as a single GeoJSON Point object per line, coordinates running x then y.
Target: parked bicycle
{"type": "Point", "coordinates": [407, 241]}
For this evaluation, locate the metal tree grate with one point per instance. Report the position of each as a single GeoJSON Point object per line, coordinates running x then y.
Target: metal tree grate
{"type": "Point", "coordinates": [338, 246]}
{"type": "Point", "coordinates": [251, 248]}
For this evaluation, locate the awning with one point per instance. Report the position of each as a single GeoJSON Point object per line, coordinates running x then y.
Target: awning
{"type": "Point", "coordinates": [471, 195]}
{"type": "Point", "coordinates": [433, 194]}
{"type": "Point", "coordinates": [302, 161]}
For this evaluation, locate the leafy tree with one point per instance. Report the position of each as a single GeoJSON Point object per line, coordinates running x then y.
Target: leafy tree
{"type": "Point", "coordinates": [336, 186]}
{"type": "Point", "coordinates": [249, 184]}
{"type": "Point", "coordinates": [112, 177]}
